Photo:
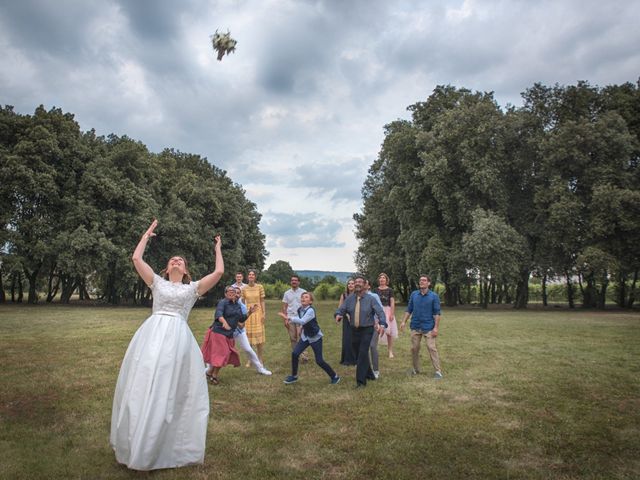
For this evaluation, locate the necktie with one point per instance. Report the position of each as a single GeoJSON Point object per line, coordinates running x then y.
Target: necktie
{"type": "Point", "coordinates": [356, 312]}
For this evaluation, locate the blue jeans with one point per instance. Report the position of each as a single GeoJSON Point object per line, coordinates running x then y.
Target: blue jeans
{"type": "Point", "coordinates": [317, 351]}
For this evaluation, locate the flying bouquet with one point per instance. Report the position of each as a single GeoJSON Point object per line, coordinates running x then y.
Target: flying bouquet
{"type": "Point", "coordinates": [223, 43]}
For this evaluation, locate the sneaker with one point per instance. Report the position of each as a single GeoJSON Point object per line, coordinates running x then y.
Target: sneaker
{"type": "Point", "coordinates": [290, 379]}
{"type": "Point", "coordinates": [376, 374]}
{"type": "Point", "coordinates": [335, 380]}
{"type": "Point", "coordinates": [413, 371]}
{"type": "Point", "coordinates": [264, 371]}
{"type": "Point", "coordinates": [438, 376]}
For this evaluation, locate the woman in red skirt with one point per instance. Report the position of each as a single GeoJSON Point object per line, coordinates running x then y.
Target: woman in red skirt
{"type": "Point", "coordinates": [219, 348]}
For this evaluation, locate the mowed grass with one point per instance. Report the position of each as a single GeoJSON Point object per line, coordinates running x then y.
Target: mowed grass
{"type": "Point", "coordinates": [526, 395]}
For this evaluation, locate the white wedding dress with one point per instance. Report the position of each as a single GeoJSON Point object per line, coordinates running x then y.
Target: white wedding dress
{"type": "Point", "coordinates": [161, 402]}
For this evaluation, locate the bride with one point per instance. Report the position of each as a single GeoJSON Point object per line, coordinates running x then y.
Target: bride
{"type": "Point", "coordinates": [161, 402]}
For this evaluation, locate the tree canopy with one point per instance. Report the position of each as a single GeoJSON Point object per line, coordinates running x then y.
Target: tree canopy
{"type": "Point", "coordinates": [74, 205]}
{"type": "Point", "coordinates": [473, 193]}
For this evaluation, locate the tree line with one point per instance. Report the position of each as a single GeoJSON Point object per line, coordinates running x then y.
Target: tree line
{"type": "Point", "coordinates": [73, 206]}
{"type": "Point", "coordinates": [488, 197]}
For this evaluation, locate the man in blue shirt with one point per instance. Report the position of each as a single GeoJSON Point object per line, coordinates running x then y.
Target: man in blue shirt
{"type": "Point", "coordinates": [424, 310]}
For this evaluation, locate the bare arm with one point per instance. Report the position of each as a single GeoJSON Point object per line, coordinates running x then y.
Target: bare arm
{"type": "Point", "coordinates": [404, 320]}
{"type": "Point", "coordinates": [283, 313]}
{"type": "Point", "coordinates": [143, 269]}
{"type": "Point", "coordinates": [434, 332]}
{"type": "Point", "coordinates": [206, 283]}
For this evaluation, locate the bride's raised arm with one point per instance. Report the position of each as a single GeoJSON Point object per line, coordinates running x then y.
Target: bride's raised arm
{"type": "Point", "coordinates": [143, 269]}
{"type": "Point", "coordinates": [207, 282]}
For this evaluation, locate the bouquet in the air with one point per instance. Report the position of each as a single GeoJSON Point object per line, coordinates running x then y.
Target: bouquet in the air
{"type": "Point", "coordinates": [223, 43]}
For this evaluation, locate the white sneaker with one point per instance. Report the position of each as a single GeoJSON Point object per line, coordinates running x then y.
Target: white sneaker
{"type": "Point", "coordinates": [264, 371]}
{"type": "Point", "coordinates": [376, 374]}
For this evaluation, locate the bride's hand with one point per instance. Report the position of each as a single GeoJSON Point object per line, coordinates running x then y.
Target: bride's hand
{"type": "Point", "coordinates": [149, 233]}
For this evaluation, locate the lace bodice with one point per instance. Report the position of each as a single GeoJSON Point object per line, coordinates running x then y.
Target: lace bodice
{"type": "Point", "coordinates": [177, 298]}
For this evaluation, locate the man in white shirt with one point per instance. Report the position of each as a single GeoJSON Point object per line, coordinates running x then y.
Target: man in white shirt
{"type": "Point", "coordinates": [290, 305]}
{"type": "Point", "coordinates": [240, 281]}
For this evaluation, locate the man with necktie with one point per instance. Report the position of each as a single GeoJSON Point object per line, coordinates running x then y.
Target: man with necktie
{"type": "Point", "coordinates": [361, 310]}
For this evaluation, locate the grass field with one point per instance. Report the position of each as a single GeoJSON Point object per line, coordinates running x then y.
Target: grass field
{"type": "Point", "coordinates": [526, 395]}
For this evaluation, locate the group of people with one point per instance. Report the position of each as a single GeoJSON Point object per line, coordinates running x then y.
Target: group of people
{"type": "Point", "coordinates": [240, 317]}
{"type": "Point", "coordinates": [161, 402]}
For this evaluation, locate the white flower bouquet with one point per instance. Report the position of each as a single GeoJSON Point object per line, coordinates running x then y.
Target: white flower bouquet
{"type": "Point", "coordinates": [223, 43]}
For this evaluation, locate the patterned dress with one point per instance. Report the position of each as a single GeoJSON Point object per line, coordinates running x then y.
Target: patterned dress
{"type": "Point", "coordinates": [252, 295]}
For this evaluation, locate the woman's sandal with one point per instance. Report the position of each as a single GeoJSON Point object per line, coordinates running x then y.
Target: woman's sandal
{"type": "Point", "coordinates": [213, 380]}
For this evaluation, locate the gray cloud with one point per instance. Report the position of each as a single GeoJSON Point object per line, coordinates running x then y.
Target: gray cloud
{"type": "Point", "coordinates": [301, 230]}
{"type": "Point", "coordinates": [341, 181]}
{"type": "Point", "coordinates": [48, 28]}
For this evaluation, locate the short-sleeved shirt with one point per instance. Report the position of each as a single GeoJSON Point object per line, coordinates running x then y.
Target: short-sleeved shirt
{"type": "Point", "coordinates": [292, 298]}
{"type": "Point", "coordinates": [385, 295]}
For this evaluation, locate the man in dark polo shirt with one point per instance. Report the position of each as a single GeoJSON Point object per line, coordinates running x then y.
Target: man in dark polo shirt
{"type": "Point", "coordinates": [361, 309]}
{"type": "Point", "coordinates": [424, 310]}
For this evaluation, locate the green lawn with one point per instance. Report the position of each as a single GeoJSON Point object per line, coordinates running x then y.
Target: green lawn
{"type": "Point", "coordinates": [526, 395]}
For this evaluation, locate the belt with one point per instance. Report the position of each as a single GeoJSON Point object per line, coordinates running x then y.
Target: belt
{"type": "Point", "coordinates": [169, 314]}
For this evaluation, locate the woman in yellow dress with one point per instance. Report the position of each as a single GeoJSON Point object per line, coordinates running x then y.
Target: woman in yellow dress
{"type": "Point", "coordinates": [253, 294]}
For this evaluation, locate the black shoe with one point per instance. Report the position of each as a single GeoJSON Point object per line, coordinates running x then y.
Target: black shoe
{"type": "Point", "coordinates": [361, 385]}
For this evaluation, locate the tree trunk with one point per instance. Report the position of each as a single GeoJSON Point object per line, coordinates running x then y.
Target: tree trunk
{"type": "Point", "coordinates": [484, 294]}
{"type": "Point", "coordinates": [602, 294]}
{"type": "Point", "coordinates": [112, 294]}
{"type": "Point", "coordinates": [69, 285]}
{"type": "Point", "coordinates": [52, 289]}
{"type": "Point", "coordinates": [3, 297]}
{"type": "Point", "coordinates": [621, 297]}
{"type": "Point", "coordinates": [544, 291]}
{"type": "Point", "coordinates": [33, 287]}
{"type": "Point", "coordinates": [632, 290]}
{"type": "Point", "coordinates": [450, 299]}
{"type": "Point", "coordinates": [522, 290]}
{"type": "Point", "coordinates": [83, 294]}
{"type": "Point", "coordinates": [16, 282]}
{"type": "Point", "coordinates": [589, 292]}
{"type": "Point", "coordinates": [569, 290]}
{"type": "Point", "coordinates": [492, 291]}
{"type": "Point", "coordinates": [13, 287]}
{"type": "Point", "coordinates": [508, 299]}
{"type": "Point", "coordinates": [459, 295]}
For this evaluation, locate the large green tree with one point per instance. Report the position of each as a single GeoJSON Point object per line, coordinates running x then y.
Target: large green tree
{"type": "Point", "coordinates": [74, 206]}
{"type": "Point", "coordinates": [557, 180]}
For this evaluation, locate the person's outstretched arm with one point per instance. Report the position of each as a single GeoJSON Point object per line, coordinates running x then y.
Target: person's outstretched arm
{"type": "Point", "coordinates": [143, 269]}
{"type": "Point", "coordinates": [206, 283]}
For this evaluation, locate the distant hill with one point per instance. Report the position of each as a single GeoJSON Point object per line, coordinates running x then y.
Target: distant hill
{"type": "Point", "coordinates": [319, 274]}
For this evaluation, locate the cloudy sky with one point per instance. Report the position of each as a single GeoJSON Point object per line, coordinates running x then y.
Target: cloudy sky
{"type": "Point", "coordinates": [296, 115]}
